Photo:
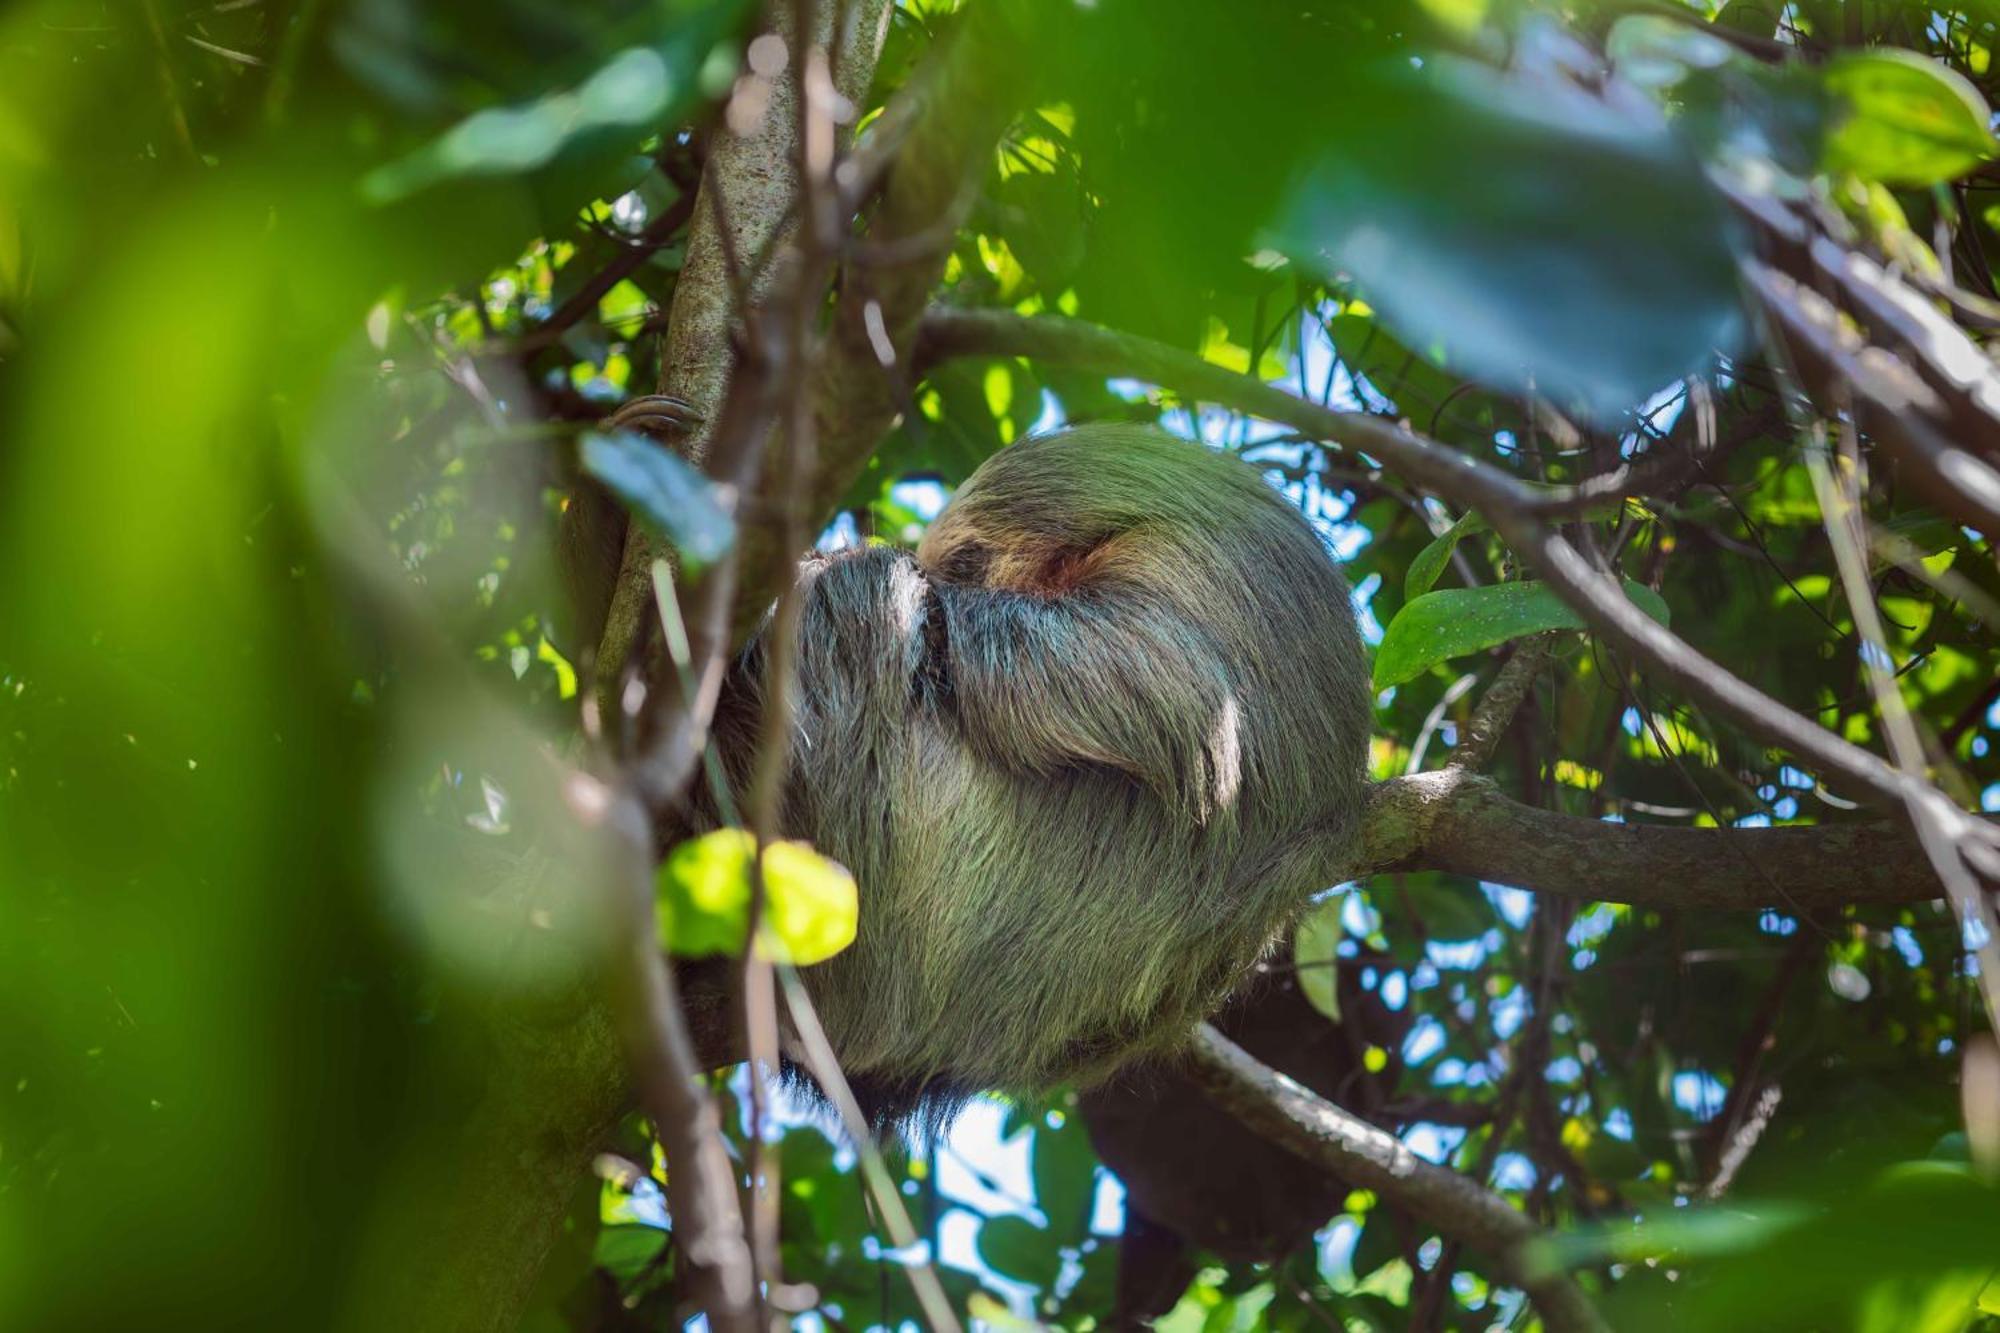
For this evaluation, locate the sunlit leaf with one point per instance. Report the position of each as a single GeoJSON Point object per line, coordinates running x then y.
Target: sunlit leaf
{"type": "Point", "coordinates": [1910, 120]}
{"type": "Point", "coordinates": [1461, 16]}
{"type": "Point", "coordinates": [1453, 622]}
{"type": "Point", "coordinates": [810, 905]}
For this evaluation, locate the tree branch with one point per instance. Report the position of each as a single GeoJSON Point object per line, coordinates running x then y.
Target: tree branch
{"type": "Point", "coordinates": [759, 172]}
{"type": "Point", "coordinates": [941, 129]}
{"type": "Point", "coordinates": [701, 1182]}
{"type": "Point", "coordinates": [1496, 708]}
{"type": "Point", "coordinates": [1458, 1207]}
{"type": "Point", "coordinates": [1460, 822]}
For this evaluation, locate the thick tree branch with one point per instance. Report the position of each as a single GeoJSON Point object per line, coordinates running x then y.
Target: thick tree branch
{"type": "Point", "coordinates": [1457, 1206]}
{"type": "Point", "coordinates": [746, 205]}
{"type": "Point", "coordinates": [942, 128]}
{"type": "Point", "coordinates": [1461, 822]}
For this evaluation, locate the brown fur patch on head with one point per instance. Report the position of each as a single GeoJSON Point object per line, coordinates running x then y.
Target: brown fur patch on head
{"type": "Point", "coordinates": [1045, 573]}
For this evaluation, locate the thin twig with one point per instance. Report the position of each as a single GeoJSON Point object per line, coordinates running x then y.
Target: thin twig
{"type": "Point", "coordinates": [1840, 504]}
{"type": "Point", "coordinates": [701, 1184]}
{"type": "Point", "coordinates": [825, 1069]}
{"type": "Point", "coordinates": [628, 261]}
{"type": "Point", "coordinates": [1496, 708]}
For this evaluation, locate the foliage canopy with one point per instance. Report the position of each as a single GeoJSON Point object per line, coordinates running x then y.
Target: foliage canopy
{"type": "Point", "coordinates": [311, 316]}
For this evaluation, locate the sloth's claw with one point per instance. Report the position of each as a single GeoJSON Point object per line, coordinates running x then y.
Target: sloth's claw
{"type": "Point", "coordinates": [659, 415]}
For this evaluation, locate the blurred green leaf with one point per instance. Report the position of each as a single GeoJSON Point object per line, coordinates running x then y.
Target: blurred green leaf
{"type": "Point", "coordinates": [634, 90]}
{"type": "Point", "coordinates": [1378, 1244]}
{"type": "Point", "coordinates": [1910, 120]}
{"type": "Point", "coordinates": [663, 491]}
{"type": "Point", "coordinates": [1655, 51]}
{"type": "Point", "coordinates": [1580, 218]}
{"type": "Point", "coordinates": [810, 904]}
{"type": "Point", "coordinates": [1453, 622]}
{"type": "Point", "coordinates": [628, 1251]}
{"type": "Point", "coordinates": [1450, 908]}
{"type": "Point", "coordinates": [1909, 1248]}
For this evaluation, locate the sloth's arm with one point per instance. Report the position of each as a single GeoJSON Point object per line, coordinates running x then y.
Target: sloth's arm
{"type": "Point", "coordinates": [1107, 677]}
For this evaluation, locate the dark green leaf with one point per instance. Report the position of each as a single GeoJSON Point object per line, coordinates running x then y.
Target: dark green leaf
{"type": "Point", "coordinates": [1449, 908]}
{"type": "Point", "coordinates": [1378, 1243]}
{"type": "Point", "coordinates": [1065, 1174]}
{"type": "Point", "coordinates": [1015, 1247]}
{"type": "Point", "coordinates": [1430, 562]}
{"type": "Point", "coordinates": [626, 1252]}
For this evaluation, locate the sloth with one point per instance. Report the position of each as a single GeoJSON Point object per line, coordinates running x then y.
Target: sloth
{"type": "Point", "coordinates": [1088, 753]}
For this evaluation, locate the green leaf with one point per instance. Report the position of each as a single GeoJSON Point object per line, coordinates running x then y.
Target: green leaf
{"type": "Point", "coordinates": [1909, 121]}
{"type": "Point", "coordinates": [811, 908]}
{"type": "Point", "coordinates": [1377, 1244]}
{"type": "Point", "coordinates": [1017, 1248]}
{"type": "Point", "coordinates": [1654, 51]}
{"type": "Point", "coordinates": [1517, 278]}
{"type": "Point", "coordinates": [663, 491]}
{"type": "Point", "coordinates": [1064, 1169]}
{"type": "Point", "coordinates": [1430, 562]}
{"type": "Point", "coordinates": [703, 892]}
{"type": "Point", "coordinates": [632, 91]}
{"type": "Point", "coordinates": [1314, 957]}
{"type": "Point", "coordinates": [626, 1252]}
{"type": "Point", "coordinates": [1459, 16]}
{"type": "Point", "coordinates": [1439, 626]}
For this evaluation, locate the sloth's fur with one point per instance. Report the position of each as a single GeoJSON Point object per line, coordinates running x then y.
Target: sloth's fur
{"type": "Point", "coordinates": [1086, 754]}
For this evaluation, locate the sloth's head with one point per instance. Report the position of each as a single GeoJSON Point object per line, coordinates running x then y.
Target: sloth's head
{"type": "Point", "coordinates": [1086, 753]}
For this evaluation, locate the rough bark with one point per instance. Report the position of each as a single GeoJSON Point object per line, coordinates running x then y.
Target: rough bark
{"type": "Point", "coordinates": [932, 146]}
{"type": "Point", "coordinates": [1460, 822]}
{"type": "Point", "coordinates": [745, 210]}
{"type": "Point", "coordinates": [470, 1243]}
